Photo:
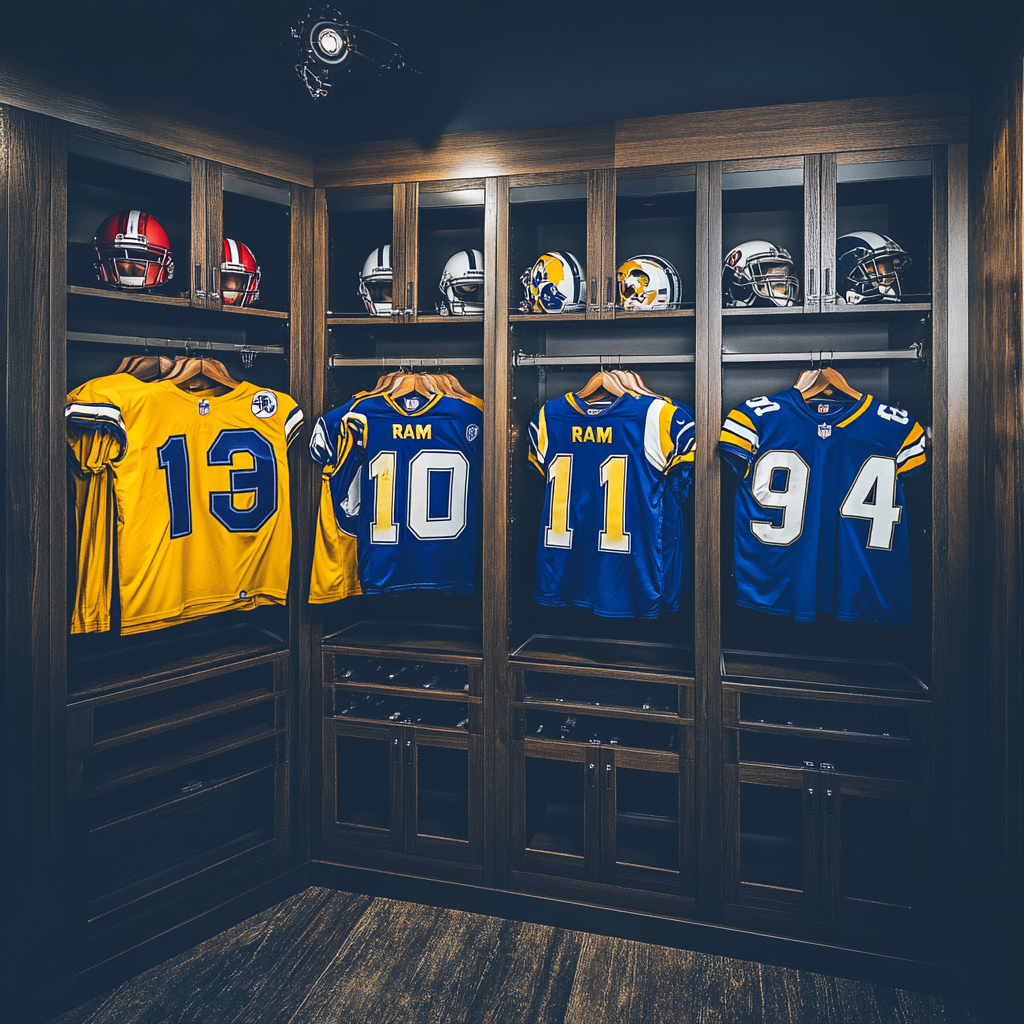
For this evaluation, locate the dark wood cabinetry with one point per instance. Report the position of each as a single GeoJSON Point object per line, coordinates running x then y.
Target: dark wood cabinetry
{"type": "Point", "coordinates": [713, 763]}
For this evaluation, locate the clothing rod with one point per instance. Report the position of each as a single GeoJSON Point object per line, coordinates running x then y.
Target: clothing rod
{"type": "Point", "coordinates": [188, 346]}
{"type": "Point", "coordinates": [817, 356]}
{"type": "Point", "coordinates": [394, 361]}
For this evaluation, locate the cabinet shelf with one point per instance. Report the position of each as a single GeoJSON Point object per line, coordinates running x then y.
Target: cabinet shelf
{"type": "Point", "coordinates": [601, 711]}
{"type": "Point", "coordinates": [632, 658]}
{"type": "Point", "coordinates": [105, 293]}
{"type": "Point", "coordinates": [653, 314]}
{"type": "Point", "coordinates": [533, 318]}
{"type": "Point", "coordinates": [405, 692]}
{"type": "Point", "coordinates": [255, 311]}
{"type": "Point", "coordinates": [168, 658]}
{"type": "Point", "coordinates": [829, 315]}
{"type": "Point", "coordinates": [413, 637]}
{"type": "Point", "coordinates": [771, 728]}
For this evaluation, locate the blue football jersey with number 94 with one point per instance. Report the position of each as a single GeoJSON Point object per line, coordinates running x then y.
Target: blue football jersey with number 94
{"type": "Point", "coordinates": [820, 523]}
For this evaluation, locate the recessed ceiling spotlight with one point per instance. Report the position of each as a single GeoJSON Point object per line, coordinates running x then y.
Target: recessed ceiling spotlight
{"type": "Point", "coordinates": [325, 40]}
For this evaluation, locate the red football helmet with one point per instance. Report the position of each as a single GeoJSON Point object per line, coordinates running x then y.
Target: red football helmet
{"type": "Point", "coordinates": [239, 275]}
{"type": "Point", "coordinates": [133, 251]}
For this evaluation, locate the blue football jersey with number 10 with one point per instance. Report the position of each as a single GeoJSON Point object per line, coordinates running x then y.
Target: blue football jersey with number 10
{"type": "Point", "coordinates": [419, 499]}
{"type": "Point", "coordinates": [603, 535]}
{"type": "Point", "coordinates": [820, 519]}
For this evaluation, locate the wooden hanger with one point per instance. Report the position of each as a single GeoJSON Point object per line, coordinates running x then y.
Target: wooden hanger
{"type": "Point", "coordinates": [202, 374]}
{"type": "Point", "coordinates": [601, 384]}
{"type": "Point", "coordinates": [824, 378]}
{"type": "Point", "coordinates": [147, 367]}
{"type": "Point", "coordinates": [413, 382]}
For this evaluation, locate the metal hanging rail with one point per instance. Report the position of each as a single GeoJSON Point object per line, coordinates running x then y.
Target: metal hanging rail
{"type": "Point", "coordinates": [399, 361]}
{"type": "Point", "coordinates": [824, 356]}
{"type": "Point", "coordinates": [188, 345]}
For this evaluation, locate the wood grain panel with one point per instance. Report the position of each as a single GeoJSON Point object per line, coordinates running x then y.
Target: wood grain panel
{"type": "Point", "coordinates": [149, 120]}
{"type": "Point", "coordinates": [31, 520]}
{"type": "Point", "coordinates": [469, 155]}
{"type": "Point", "coordinates": [498, 692]}
{"type": "Point", "coordinates": [829, 127]}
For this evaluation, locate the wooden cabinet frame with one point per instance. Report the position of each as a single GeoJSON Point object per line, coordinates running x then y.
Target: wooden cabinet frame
{"type": "Point", "coordinates": [818, 137]}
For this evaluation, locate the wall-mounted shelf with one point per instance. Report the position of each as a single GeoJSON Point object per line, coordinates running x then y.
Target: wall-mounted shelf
{"type": "Point", "coordinates": [110, 293]}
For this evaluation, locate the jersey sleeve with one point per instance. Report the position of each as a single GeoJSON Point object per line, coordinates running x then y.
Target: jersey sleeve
{"type": "Point", "coordinates": [96, 407]}
{"type": "Point", "coordinates": [293, 418]}
{"type": "Point", "coordinates": [539, 442]}
{"type": "Point", "coordinates": [739, 441]}
{"type": "Point", "coordinates": [323, 444]}
{"type": "Point", "coordinates": [668, 436]}
{"type": "Point", "coordinates": [912, 454]}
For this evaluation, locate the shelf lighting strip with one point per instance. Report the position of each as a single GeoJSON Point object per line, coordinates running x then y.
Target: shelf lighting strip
{"type": "Point", "coordinates": [393, 361]}
{"type": "Point", "coordinates": [817, 356]}
{"type": "Point", "coordinates": [188, 345]}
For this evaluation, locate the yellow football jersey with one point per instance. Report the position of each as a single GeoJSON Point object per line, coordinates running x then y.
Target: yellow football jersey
{"type": "Point", "coordinates": [201, 482]}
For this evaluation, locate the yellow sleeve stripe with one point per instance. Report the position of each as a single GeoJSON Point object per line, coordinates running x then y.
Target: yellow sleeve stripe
{"type": "Point", "coordinates": [917, 460]}
{"type": "Point", "coordinates": [735, 439]}
{"type": "Point", "coordinates": [859, 412]}
{"type": "Point", "coordinates": [539, 467]}
{"type": "Point", "coordinates": [914, 434]}
{"type": "Point", "coordinates": [742, 418]}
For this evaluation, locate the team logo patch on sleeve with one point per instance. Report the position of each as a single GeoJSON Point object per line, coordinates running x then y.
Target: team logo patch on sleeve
{"type": "Point", "coordinates": [472, 432]}
{"type": "Point", "coordinates": [264, 404]}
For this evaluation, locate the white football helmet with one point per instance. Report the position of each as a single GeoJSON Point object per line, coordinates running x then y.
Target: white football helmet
{"type": "Point", "coordinates": [759, 273]}
{"type": "Point", "coordinates": [868, 266]}
{"type": "Point", "coordinates": [375, 282]}
{"type": "Point", "coordinates": [462, 284]}
{"type": "Point", "coordinates": [555, 284]}
{"type": "Point", "coordinates": [649, 282]}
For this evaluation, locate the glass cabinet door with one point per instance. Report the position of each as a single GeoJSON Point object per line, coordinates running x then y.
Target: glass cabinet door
{"type": "Point", "coordinates": [368, 787]}
{"type": "Point", "coordinates": [449, 252]}
{"type": "Point", "coordinates": [876, 233]}
{"type": "Point", "coordinates": [772, 826]}
{"type": "Point", "coordinates": [443, 809]}
{"type": "Point", "coordinates": [360, 235]}
{"type": "Point", "coordinates": [557, 810]}
{"type": "Point", "coordinates": [641, 837]}
{"type": "Point", "coordinates": [770, 236]}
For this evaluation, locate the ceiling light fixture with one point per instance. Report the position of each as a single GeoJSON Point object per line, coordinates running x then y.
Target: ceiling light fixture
{"type": "Point", "coordinates": [325, 40]}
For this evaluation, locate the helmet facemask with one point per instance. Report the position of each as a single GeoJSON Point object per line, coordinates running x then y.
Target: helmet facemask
{"type": "Point", "coordinates": [773, 280]}
{"type": "Point", "coordinates": [878, 275]}
{"type": "Point", "coordinates": [133, 264]}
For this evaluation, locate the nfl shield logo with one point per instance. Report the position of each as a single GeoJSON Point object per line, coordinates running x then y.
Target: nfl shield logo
{"type": "Point", "coordinates": [824, 430]}
{"type": "Point", "coordinates": [204, 407]}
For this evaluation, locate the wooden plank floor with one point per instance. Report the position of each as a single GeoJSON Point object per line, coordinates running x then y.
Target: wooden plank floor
{"type": "Point", "coordinates": [326, 957]}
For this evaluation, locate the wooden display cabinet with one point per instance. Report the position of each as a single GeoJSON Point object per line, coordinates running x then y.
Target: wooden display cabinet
{"type": "Point", "coordinates": [402, 755]}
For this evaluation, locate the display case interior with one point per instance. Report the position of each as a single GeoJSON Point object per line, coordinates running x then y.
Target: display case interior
{"type": "Point", "coordinates": [360, 221]}
{"type": "Point", "coordinates": [553, 361]}
{"type": "Point", "coordinates": [896, 370]}
{"type": "Point", "coordinates": [449, 221]}
{"type": "Point", "coordinates": [765, 205]}
{"type": "Point", "coordinates": [259, 215]}
{"type": "Point", "coordinates": [104, 180]}
{"type": "Point", "coordinates": [891, 198]}
{"type": "Point", "coordinates": [545, 218]}
{"type": "Point", "coordinates": [658, 215]}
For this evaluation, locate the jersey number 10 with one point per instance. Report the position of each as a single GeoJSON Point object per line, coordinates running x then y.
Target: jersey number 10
{"type": "Point", "coordinates": [876, 480]}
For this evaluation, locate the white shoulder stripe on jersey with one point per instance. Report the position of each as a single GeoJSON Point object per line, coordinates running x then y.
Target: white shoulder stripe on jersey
{"type": "Point", "coordinates": [321, 447]}
{"type": "Point", "coordinates": [652, 435]}
{"type": "Point", "coordinates": [909, 453]}
{"type": "Point", "coordinates": [94, 411]}
{"type": "Point", "coordinates": [293, 422]}
{"type": "Point", "coordinates": [741, 431]}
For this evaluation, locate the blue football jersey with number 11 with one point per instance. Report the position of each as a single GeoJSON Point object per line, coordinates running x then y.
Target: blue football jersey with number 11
{"type": "Point", "coordinates": [603, 536]}
{"type": "Point", "coordinates": [820, 518]}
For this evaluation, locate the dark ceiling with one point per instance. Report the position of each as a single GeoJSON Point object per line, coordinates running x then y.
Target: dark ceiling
{"type": "Point", "coordinates": [514, 65]}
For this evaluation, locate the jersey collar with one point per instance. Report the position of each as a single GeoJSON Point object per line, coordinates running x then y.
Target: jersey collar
{"type": "Point", "coordinates": [429, 404]}
{"type": "Point", "coordinates": [583, 409]}
{"type": "Point", "coordinates": [841, 417]}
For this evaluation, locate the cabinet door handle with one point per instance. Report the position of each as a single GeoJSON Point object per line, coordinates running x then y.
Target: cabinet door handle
{"type": "Point", "coordinates": [812, 287]}
{"type": "Point", "coordinates": [608, 776]}
{"type": "Point", "coordinates": [610, 293]}
{"type": "Point", "coordinates": [408, 751]}
{"type": "Point", "coordinates": [396, 746]}
{"type": "Point", "coordinates": [594, 298]}
{"type": "Point", "coordinates": [829, 294]}
{"type": "Point", "coordinates": [592, 774]}
{"type": "Point", "coordinates": [198, 290]}
{"type": "Point", "coordinates": [214, 275]}
{"type": "Point", "coordinates": [408, 298]}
